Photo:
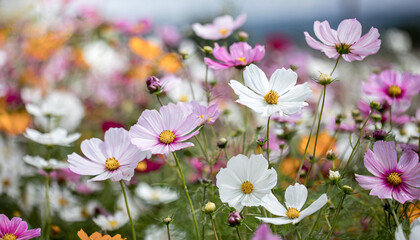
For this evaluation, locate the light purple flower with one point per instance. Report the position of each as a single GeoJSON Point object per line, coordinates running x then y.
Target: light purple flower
{"type": "Point", "coordinates": [169, 35]}
{"type": "Point", "coordinates": [115, 157]}
{"type": "Point", "coordinates": [207, 115]}
{"type": "Point", "coordinates": [16, 229]}
{"type": "Point", "coordinates": [392, 179]}
{"type": "Point", "coordinates": [241, 55]}
{"type": "Point", "coordinates": [393, 87]}
{"type": "Point", "coordinates": [347, 40]}
{"type": "Point", "coordinates": [263, 233]}
{"type": "Point", "coordinates": [165, 131]}
{"type": "Point", "coordinates": [221, 27]}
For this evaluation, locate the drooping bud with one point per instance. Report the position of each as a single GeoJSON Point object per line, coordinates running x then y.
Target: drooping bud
{"type": "Point", "coordinates": [222, 143]}
{"type": "Point", "coordinates": [243, 36]}
{"type": "Point", "coordinates": [153, 85]}
{"type": "Point", "coordinates": [355, 113]}
{"type": "Point", "coordinates": [210, 208]}
{"type": "Point", "coordinates": [347, 189]}
{"type": "Point", "coordinates": [331, 155]}
{"type": "Point", "coordinates": [207, 50]}
{"type": "Point", "coordinates": [235, 218]}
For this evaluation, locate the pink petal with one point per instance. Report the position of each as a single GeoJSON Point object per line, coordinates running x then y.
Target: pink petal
{"type": "Point", "coordinates": [313, 43]}
{"type": "Point", "coordinates": [373, 165]}
{"type": "Point", "coordinates": [117, 141]}
{"type": "Point", "coordinates": [349, 31]}
{"type": "Point", "coordinates": [178, 146]}
{"type": "Point", "coordinates": [239, 21]}
{"type": "Point", "coordinates": [188, 125]}
{"type": "Point", "coordinates": [221, 53]}
{"type": "Point", "coordinates": [408, 161]}
{"type": "Point", "coordinates": [94, 149]}
{"type": "Point", "coordinates": [4, 223]}
{"type": "Point", "coordinates": [17, 226]}
{"type": "Point", "coordinates": [368, 182]}
{"type": "Point", "coordinates": [382, 191]}
{"type": "Point", "coordinates": [151, 120]}
{"type": "Point", "coordinates": [368, 44]}
{"type": "Point", "coordinates": [216, 65]}
{"type": "Point", "coordinates": [324, 33]}
{"type": "Point", "coordinates": [173, 115]}
{"type": "Point", "coordinates": [259, 53]}
{"type": "Point", "coordinates": [83, 166]}
{"type": "Point", "coordinates": [103, 176]}
{"type": "Point", "coordinates": [412, 177]}
{"type": "Point", "coordinates": [350, 57]}
{"type": "Point", "coordinates": [403, 193]}
{"type": "Point", "coordinates": [386, 153]}
{"type": "Point", "coordinates": [30, 234]}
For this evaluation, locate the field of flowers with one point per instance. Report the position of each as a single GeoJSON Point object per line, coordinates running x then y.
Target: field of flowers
{"type": "Point", "coordinates": [132, 130]}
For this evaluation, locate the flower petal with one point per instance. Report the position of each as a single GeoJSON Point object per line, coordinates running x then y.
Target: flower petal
{"type": "Point", "coordinates": [256, 79]}
{"type": "Point", "coordinates": [315, 206]}
{"type": "Point", "coordinates": [349, 31]}
{"type": "Point", "coordinates": [386, 153]}
{"type": "Point", "coordinates": [276, 221]}
{"type": "Point", "coordinates": [296, 196]}
{"type": "Point", "coordinates": [273, 205]}
{"type": "Point", "coordinates": [282, 80]}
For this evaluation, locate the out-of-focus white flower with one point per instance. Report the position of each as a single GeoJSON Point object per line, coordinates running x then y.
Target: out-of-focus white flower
{"type": "Point", "coordinates": [135, 205]}
{"type": "Point", "coordinates": [408, 132]}
{"type": "Point", "coordinates": [12, 168]}
{"type": "Point", "coordinates": [41, 163]}
{"type": "Point", "coordinates": [58, 109]}
{"type": "Point", "coordinates": [398, 41]}
{"type": "Point", "coordinates": [103, 59]}
{"type": "Point", "coordinates": [156, 195]}
{"type": "Point", "coordinates": [183, 91]}
{"type": "Point", "coordinates": [111, 222]}
{"type": "Point", "coordinates": [57, 136]}
{"type": "Point", "coordinates": [414, 234]}
{"type": "Point", "coordinates": [155, 232]}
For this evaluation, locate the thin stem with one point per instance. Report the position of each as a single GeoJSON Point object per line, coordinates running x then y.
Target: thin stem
{"type": "Point", "coordinates": [214, 228]}
{"type": "Point", "coordinates": [47, 199]}
{"type": "Point", "coordinates": [133, 231]}
{"type": "Point", "coordinates": [393, 213]}
{"type": "Point", "coordinates": [336, 63]}
{"type": "Point", "coordinates": [297, 233]}
{"type": "Point", "coordinates": [226, 154]}
{"type": "Point", "coordinates": [169, 233]}
{"type": "Point", "coordinates": [309, 137]}
{"type": "Point", "coordinates": [158, 98]}
{"type": "Point", "coordinates": [318, 215]}
{"type": "Point", "coordinates": [188, 196]}
{"type": "Point", "coordinates": [202, 148]}
{"type": "Point", "coordinates": [317, 133]}
{"type": "Point", "coordinates": [239, 234]}
{"type": "Point", "coordinates": [336, 216]}
{"type": "Point", "coordinates": [268, 140]}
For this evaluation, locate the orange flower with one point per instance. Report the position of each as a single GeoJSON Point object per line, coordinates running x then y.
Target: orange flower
{"type": "Point", "coordinates": [14, 122]}
{"type": "Point", "coordinates": [324, 144]}
{"type": "Point", "coordinates": [413, 213]}
{"type": "Point", "coordinates": [97, 236]}
{"type": "Point", "coordinates": [170, 63]}
{"type": "Point", "coordinates": [144, 48]}
{"type": "Point", "coordinates": [43, 47]}
{"type": "Point", "coordinates": [289, 166]}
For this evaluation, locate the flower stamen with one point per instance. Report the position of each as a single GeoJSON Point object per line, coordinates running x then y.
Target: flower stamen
{"type": "Point", "coordinates": [223, 31]}
{"type": "Point", "coordinates": [394, 91]}
{"type": "Point", "coordinates": [242, 59]}
{"type": "Point", "coordinates": [167, 137]}
{"type": "Point", "coordinates": [343, 48]}
{"type": "Point", "coordinates": [247, 187]}
{"type": "Point", "coordinates": [271, 97]}
{"type": "Point", "coordinates": [9, 236]}
{"type": "Point", "coordinates": [394, 178]}
{"type": "Point", "coordinates": [292, 213]}
{"type": "Point", "coordinates": [111, 164]}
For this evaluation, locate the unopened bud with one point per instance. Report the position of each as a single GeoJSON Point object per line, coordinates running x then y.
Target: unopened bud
{"type": "Point", "coordinates": [375, 105]}
{"type": "Point", "coordinates": [183, 54]}
{"type": "Point", "coordinates": [334, 176]}
{"type": "Point", "coordinates": [331, 155]}
{"type": "Point", "coordinates": [358, 119]}
{"type": "Point", "coordinates": [260, 141]}
{"type": "Point", "coordinates": [210, 207]}
{"type": "Point", "coordinates": [167, 220]}
{"type": "Point", "coordinates": [235, 218]}
{"type": "Point", "coordinates": [347, 189]}
{"type": "Point", "coordinates": [222, 142]}
{"type": "Point", "coordinates": [207, 50]}
{"type": "Point", "coordinates": [242, 36]}
{"type": "Point", "coordinates": [355, 113]}
{"type": "Point", "coordinates": [153, 84]}
{"type": "Point", "coordinates": [324, 79]}
{"type": "Point", "coordinates": [379, 134]}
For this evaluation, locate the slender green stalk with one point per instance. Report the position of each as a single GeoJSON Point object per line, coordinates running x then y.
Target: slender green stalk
{"type": "Point", "coordinates": [47, 199]}
{"type": "Point", "coordinates": [197, 232]}
{"type": "Point", "coordinates": [267, 138]}
{"type": "Point", "coordinates": [226, 154]}
{"type": "Point", "coordinates": [239, 234]}
{"type": "Point", "coordinates": [335, 66]}
{"type": "Point", "coordinates": [169, 233]}
{"type": "Point", "coordinates": [297, 233]}
{"type": "Point", "coordinates": [202, 148]}
{"type": "Point", "coordinates": [393, 213]}
{"type": "Point", "coordinates": [318, 215]}
{"type": "Point", "coordinates": [317, 133]}
{"type": "Point", "coordinates": [133, 231]}
{"type": "Point", "coordinates": [336, 216]}
{"type": "Point", "coordinates": [158, 98]}
{"type": "Point", "coordinates": [309, 137]}
{"type": "Point", "coordinates": [214, 228]}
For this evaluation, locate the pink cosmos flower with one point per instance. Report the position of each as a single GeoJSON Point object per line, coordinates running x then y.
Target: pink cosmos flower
{"type": "Point", "coordinates": [165, 131]}
{"type": "Point", "coordinates": [207, 115]}
{"type": "Point", "coordinates": [263, 233]}
{"type": "Point", "coordinates": [221, 27]}
{"type": "Point", "coordinates": [392, 179]}
{"type": "Point", "coordinates": [346, 41]}
{"type": "Point", "coordinates": [16, 229]}
{"type": "Point", "coordinates": [114, 158]}
{"type": "Point", "coordinates": [393, 87]}
{"type": "Point", "coordinates": [241, 55]}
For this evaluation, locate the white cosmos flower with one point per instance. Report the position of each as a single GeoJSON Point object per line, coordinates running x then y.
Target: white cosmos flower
{"type": "Point", "coordinates": [156, 195]}
{"type": "Point", "coordinates": [267, 97]}
{"type": "Point", "coordinates": [41, 163]}
{"type": "Point", "coordinates": [245, 181]}
{"type": "Point", "coordinates": [58, 136]}
{"type": "Point", "coordinates": [295, 199]}
{"type": "Point", "coordinates": [414, 233]}
{"type": "Point", "coordinates": [111, 222]}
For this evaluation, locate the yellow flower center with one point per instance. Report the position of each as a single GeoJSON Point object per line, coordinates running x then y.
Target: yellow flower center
{"type": "Point", "coordinates": [394, 178]}
{"type": "Point", "coordinates": [166, 137]}
{"type": "Point", "coordinates": [183, 98]}
{"type": "Point", "coordinates": [113, 223]}
{"type": "Point", "coordinates": [247, 187]}
{"type": "Point", "coordinates": [394, 91]}
{"type": "Point", "coordinates": [142, 166]}
{"type": "Point", "coordinates": [6, 183]}
{"type": "Point", "coordinates": [292, 213]}
{"type": "Point", "coordinates": [242, 59]}
{"type": "Point", "coordinates": [223, 31]}
{"type": "Point", "coordinates": [9, 236]}
{"type": "Point", "coordinates": [271, 97]}
{"type": "Point", "coordinates": [63, 202]}
{"type": "Point", "coordinates": [201, 116]}
{"type": "Point", "coordinates": [343, 48]}
{"type": "Point", "coordinates": [111, 164]}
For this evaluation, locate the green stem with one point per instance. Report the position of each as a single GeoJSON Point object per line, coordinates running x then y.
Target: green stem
{"type": "Point", "coordinates": [47, 199]}
{"type": "Point", "coordinates": [158, 98]}
{"type": "Point", "coordinates": [239, 234]}
{"type": "Point", "coordinates": [336, 216]}
{"type": "Point", "coordinates": [268, 140]}
{"type": "Point", "coordinates": [169, 233]}
{"type": "Point", "coordinates": [188, 196]}
{"type": "Point", "coordinates": [214, 228]}
{"type": "Point", "coordinates": [318, 215]}
{"type": "Point", "coordinates": [297, 233]}
{"type": "Point", "coordinates": [133, 231]}
{"type": "Point", "coordinates": [336, 63]}
{"type": "Point", "coordinates": [202, 149]}
{"type": "Point", "coordinates": [317, 132]}
{"type": "Point", "coordinates": [393, 212]}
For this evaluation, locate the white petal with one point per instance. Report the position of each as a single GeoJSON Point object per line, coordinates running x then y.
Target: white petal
{"type": "Point", "coordinates": [282, 80]}
{"type": "Point", "coordinates": [315, 206]}
{"type": "Point", "coordinates": [256, 79]}
{"type": "Point", "coordinates": [296, 196]}
{"type": "Point", "coordinates": [273, 205]}
{"type": "Point", "coordinates": [298, 93]}
{"type": "Point", "coordinates": [276, 221]}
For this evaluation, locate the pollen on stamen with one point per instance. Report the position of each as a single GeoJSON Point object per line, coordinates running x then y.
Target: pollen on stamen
{"type": "Point", "coordinates": [394, 91]}
{"type": "Point", "coordinates": [292, 213]}
{"type": "Point", "coordinates": [271, 97]}
{"type": "Point", "coordinates": [242, 59]}
{"type": "Point", "coordinates": [394, 178]}
{"type": "Point", "coordinates": [112, 164]}
{"type": "Point", "coordinates": [167, 137]}
{"type": "Point", "coordinates": [223, 31]}
{"type": "Point", "coordinates": [247, 187]}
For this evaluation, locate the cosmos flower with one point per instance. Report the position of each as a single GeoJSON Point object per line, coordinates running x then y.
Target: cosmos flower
{"type": "Point", "coordinates": [58, 136]}
{"type": "Point", "coordinates": [111, 222]}
{"type": "Point", "coordinates": [165, 131]}
{"type": "Point", "coordinates": [221, 28]}
{"type": "Point", "coordinates": [16, 229]}
{"type": "Point", "coordinates": [392, 178]}
{"type": "Point", "coordinates": [267, 97]}
{"type": "Point", "coordinates": [347, 40]}
{"type": "Point", "coordinates": [393, 87]}
{"type": "Point", "coordinates": [41, 163]}
{"type": "Point", "coordinates": [207, 115]}
{"type": "Point", "coordinates": [245, 181]}
{"type": "Point", "coordinates": [295, 196]}
{"type": "Point", "coordinates": [263, 233]}
{"type": "Point", "coordinates": [97, 236]}
{"type": "Point", "coordinates": [114, 158]}
{"type": "Point", "coordinates": [241, 55]}
{"type": "Point", "coordinates": [156, 195]}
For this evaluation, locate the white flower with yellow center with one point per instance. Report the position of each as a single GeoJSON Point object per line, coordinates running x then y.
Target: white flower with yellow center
{"type": "Point", "coordinates": [58, 136]}
{"type": "Point", "coordinates": [295, 199]}
{"type": "Point", "coordinates": [280, 94]}
{"type": "Point", "coordinates": [111, 222]}
{"type": "Point", "coordinates": [156, 195]}
{"type": "Point", "coordinates": [245, 181]}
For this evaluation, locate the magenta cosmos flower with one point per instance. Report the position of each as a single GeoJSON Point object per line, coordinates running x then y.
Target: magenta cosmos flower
{"type": "Point", "coordinates": [241, 55]}
{"type": "Point", "coordinates": [165, 131]}
{"type": "Point", "coordinates": [393, 87]}
{"type": "Point", "coordinates": [207, 115]}
{"type": "Point", "coordinates": [346, 41]}
{"type": "Point", "coordinates": [221, 27]}
{"type": "Point", "coordinates": [16, 229]}
{"type": "Point", "coordinates": [392, 179]}
{"type": "Point", "coordinates": [114, 158]}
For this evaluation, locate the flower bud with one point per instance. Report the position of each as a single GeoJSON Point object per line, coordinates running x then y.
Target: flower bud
{"type": "Point", "coordinates": [184, 55]}
{"type": "Point", "coordinates": [376, 117]}
{"type": "Point", "coordinates": [207, 50]}
{"type": "Point", "coordinates": [221, 143]}
{"type": "Point", "coordinates": [210, 208]}
{"type": "Point", "coordinates": [355, 113]}
{"type": "Point", "coordinates": [260, 141]}
{"type": "Point", "coordinates": [153, 84]}
{"type": "Point", "coordinates": [242, 36]}
{"type": "Point", "coordinates": [358, 119]}
{"type": "Point", "coordinates": [167, 220]}
{"type": "Point", "coordinates": [375, 105]}
{"type": "Point", "coordinates": [379, 134]}
{"type": "Point", "coordinates": [331, 155]}
{"type": "Point", "coordinates": [334, 176]}
{"type": "Point", "coordinates": [235, 218]}
{"type": "Point", "coordinates": [347, 189]}
{"type": "Point", "coordinates": [324, 79]}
